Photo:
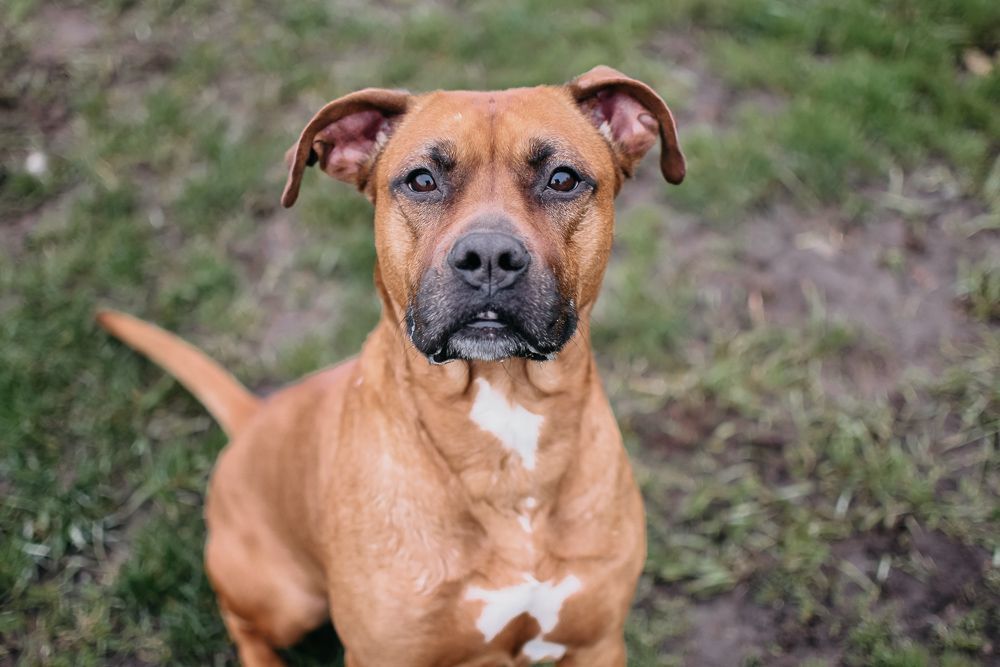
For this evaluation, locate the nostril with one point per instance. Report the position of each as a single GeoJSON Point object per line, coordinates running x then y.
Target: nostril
{"type": "Point", "coordinates": [505, 262]}
{"type": "Point", "coordinates": [470, 262]}
{"type": "Point", "coordinates": [511, 260]}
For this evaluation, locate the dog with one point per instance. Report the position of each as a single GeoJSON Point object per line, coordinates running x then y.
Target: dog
{"type": "Point", "coordinates": [459, 493]}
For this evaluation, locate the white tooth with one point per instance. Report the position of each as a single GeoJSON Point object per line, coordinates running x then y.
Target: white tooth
{"type": "Point", "coordinates": [490, 315]}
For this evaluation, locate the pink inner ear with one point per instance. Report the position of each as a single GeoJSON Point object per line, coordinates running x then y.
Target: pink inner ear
{"type": "Point", "coordinates": [345, 146]}
{"type": "Point", "coordinates": [632, 127]}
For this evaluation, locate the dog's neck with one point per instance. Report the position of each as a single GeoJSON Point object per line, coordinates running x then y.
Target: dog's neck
{"type": "Point", "coordinates": [488, 418]}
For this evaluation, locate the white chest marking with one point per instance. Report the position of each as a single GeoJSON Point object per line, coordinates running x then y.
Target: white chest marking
{"type": "Point", "coordinates": [540, 599]}
{"type": "Point", "coordinates": [512, 424]}
{"type": "Point", "coordinates": [539, 650]}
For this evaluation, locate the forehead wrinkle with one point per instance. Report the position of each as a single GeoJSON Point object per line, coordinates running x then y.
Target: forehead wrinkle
{"type": "Point", "coordinates": [442, 153]}
{"type": "Point", "coordinates": [542, 150]}
{"type": "Point", "coordinates": [492, 123]}
{"type": "Point", "coordinates": [539, 150]}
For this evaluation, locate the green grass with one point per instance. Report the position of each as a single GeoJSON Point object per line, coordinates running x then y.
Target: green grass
{"type": "Point", "coordinates": [849, 73]}
{"type": "Point", "coordinates": [775, 482]}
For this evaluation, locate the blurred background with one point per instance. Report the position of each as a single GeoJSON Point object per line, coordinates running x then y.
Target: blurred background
{"type": "Point", "coordinates": [801, 342]}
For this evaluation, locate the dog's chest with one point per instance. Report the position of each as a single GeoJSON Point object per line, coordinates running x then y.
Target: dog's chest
{"type": "Point", "coordinates": [509, 597]}
{"type": "Point", "coordinates": [522, 617]}
{"type": "Point", "coordinates": [504, 595]}
{"type": "Point", "coordinates": [493, 557]}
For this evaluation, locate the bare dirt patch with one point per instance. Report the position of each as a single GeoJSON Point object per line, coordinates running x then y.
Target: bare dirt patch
{"type": "Point", "coordinates": [728, 629]}
{"type": "Point", "coordinates": [725, 629]}
{"type": "Point", "coordinates": [890, 278]}
{"type": "Point", "coordinates": [69, 30]}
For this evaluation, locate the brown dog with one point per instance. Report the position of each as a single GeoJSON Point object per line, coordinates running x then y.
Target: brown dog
{"type": "Point", "coordinates": [458, 494]}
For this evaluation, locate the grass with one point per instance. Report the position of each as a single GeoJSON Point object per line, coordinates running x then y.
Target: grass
{"type": "Point", "coordinates": [809, 478]}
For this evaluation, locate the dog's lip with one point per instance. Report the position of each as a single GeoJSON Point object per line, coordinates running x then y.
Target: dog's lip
{"type": "Point", "coordinates": [487, 319]}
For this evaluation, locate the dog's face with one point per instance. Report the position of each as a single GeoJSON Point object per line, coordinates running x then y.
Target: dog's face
{"type": "Point", "coordinates": [494, 211]}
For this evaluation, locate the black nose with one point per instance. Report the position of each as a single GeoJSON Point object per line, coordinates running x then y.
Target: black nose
{"type": "Point", "coordinates": [489, 260]}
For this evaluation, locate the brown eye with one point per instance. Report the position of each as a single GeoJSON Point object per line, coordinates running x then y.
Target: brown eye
{"type": "Point", "coordinates": [421, 181]}
{"type": "Point", "coordinates": [563, 179]}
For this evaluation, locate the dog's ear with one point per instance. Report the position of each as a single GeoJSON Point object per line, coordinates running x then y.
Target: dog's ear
{"type": "Point", "coordinates": [631, 116]}
{"type": "Point", "coordinates": [344, 137]}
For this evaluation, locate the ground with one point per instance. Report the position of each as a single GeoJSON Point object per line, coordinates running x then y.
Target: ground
{"type": "Point", "coordinates": [801, 342]}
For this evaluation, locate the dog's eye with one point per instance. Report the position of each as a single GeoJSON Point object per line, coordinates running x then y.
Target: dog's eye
{"type": "Point", "coordinates": [563, 179]}
{"type": "Point", "coordinates": [420, 180]}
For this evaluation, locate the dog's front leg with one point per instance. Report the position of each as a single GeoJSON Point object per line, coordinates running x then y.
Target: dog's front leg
{"type": "Point", "coordinates": [254, 651]}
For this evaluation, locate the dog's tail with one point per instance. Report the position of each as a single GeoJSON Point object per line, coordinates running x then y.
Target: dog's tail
{"type": "Point", "coordinates": [222, 395]}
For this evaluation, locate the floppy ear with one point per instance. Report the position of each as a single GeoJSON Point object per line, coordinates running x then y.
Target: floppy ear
{"type": "Point", "coordinates": [631, 116]}
{"type": "Point", "coordinates": [344, 137]}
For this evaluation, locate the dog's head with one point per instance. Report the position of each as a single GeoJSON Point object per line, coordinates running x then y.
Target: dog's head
{"type": "Point", "coordinates": [494, 211]}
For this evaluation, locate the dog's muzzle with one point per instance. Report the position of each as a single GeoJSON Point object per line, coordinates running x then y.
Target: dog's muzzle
{"type": "Point", "coordinates": [490, 302]}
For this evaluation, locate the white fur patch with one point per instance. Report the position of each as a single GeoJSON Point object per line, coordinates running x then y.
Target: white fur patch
{"type": "Point", "coordinates": [540, 599]}
{"type": "Point", "coordinates": [381, 138]}
{"type": "Point", "coordinates": [525, 522]}
{"type": "Point", "coordinates": [539, 650]}
{"type": "Point", "coordinates": [605, 130]}
{"type": "Point", "coordinates": [512, 424]}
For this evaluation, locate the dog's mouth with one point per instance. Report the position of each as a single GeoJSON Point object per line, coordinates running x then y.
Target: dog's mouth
{"type": "Point", "coordinates": [492, 333]}
{"type": "Point", "coordinates": [488, 319]}
{"type": "Point", "coordinates": [488, 335]}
